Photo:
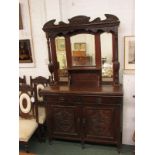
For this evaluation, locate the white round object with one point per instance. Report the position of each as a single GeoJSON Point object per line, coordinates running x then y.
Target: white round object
{"type": "Point", "coordinates": [39, 87]}
{"type": "Point", "coordinates": [26, 97]}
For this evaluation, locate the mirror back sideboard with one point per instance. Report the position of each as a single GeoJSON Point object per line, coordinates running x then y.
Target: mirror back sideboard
{"type": "Point", "coordinates": [83, 105]}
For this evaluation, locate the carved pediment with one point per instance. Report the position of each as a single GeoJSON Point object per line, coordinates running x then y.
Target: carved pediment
{"type": "Point", "coordinates": [81, 21]}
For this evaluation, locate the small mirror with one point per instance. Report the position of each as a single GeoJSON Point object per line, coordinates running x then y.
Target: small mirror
{"type": "Point", "coordinates": [61, 57]}
{"type": "Point", "coordinates": [83, 50]}
{"type": "Point", "coordinates": [106, 56]}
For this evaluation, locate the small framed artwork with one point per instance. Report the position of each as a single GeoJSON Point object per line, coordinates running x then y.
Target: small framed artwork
{"type": "Point", "coordinates": [129, 55]}
{"type": "Point", "coordinates": [20, 18]}
{"type": "Point", "coordinates": [80, 46]}
{"type": "Point", "coordinates": [25, 54]}
{"type": "Point", "coordinates": [60, 44]}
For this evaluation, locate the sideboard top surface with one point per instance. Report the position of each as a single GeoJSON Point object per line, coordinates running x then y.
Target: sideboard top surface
{"type": "Point", "coordinates": [107, 90]}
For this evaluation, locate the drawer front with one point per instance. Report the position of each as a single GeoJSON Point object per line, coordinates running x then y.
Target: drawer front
{"type": "Point", "coordinates": [101, 100]}
{"type": "Point", "coordinates": [83, 100]}
{"type": "Point", "coordinates": [58, 99]}
{"type": "Point", "coordinates": [64, 99]}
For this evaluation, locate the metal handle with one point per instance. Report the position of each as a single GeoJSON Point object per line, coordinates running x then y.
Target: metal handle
{"type": "Point", "coordinates": [83, 121]}
{"type": "Point", "coordinates": [61, 99]}
{"type": "Point", "coordinates": [78, 120]}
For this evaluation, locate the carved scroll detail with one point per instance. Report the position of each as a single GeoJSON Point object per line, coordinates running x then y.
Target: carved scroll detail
{"type": "Point", "coordinates": [81, 20]}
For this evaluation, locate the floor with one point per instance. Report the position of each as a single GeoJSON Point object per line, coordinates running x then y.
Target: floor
{"type": "Point", "coordinates": [23, 153]}
{"type": "Point", "coordinates": [73, 148]}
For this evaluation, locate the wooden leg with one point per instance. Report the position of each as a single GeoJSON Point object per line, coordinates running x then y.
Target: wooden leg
{"type": "Point", "coordinates": [42, 134]}
{"type": "Point", "coordinates": [50, 139]}
{"type": "Point", "coordinates": [26, 147]}
{"type": "Point", "coordinates": [119, 150]}
{"type": "Point", "coordinates": [39, 134]}
{"type": "Point", "coordinates": [82, 144]}
{"type": "Point", "coordinates": [119, 143]}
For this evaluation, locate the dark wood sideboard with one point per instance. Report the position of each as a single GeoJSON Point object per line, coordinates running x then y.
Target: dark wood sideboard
{"type": "Point", "coordinates": [86, 114]}
{"type": "Point", "coordinates": [83, 108]}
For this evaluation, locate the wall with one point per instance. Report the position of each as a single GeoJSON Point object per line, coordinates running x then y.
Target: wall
{"type": "Point", "coordinates": [38, 16]}
{"type": "Point", "coordinates": [128, 107]}
{"type": "Point", "coordinates": [26, 32]}
{"type": "Point", "coordinates": [44, 10]}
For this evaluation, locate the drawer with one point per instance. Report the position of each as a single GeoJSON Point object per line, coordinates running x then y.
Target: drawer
{"type": "Point", "coordinates": [76, 99]}
{"type": "Point", "coordinates": [57, 99]}
{"type": "Point", "coordinates": [68, 99]}
{"type": "Point", "coordinates": [101, 100]}
{"type": "Point", "coordinates": [64, 99]}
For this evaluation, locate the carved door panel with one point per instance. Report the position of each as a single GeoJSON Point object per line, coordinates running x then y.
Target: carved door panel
{"type": "Point", "coordinates": [65, 121]}
{"type": "Point", "coordinates": [99, 123]}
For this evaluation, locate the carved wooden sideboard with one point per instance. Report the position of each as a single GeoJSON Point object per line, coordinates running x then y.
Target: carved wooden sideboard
{"type": "Point", "coordinates": [87, 114]}
{"type": "Point", "coordinates": [83, 108]}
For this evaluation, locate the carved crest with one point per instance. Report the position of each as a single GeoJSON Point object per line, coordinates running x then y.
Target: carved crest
{"type": "Point", "coordinates": [83, 21]}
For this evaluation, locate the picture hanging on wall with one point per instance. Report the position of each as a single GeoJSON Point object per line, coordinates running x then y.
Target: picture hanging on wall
{"type": "Point", "coordinates": [25, 54]}
{"type": "Point", "coordinates": [129, 55]}
{"type": "Point", "coordinates": [20, 18]}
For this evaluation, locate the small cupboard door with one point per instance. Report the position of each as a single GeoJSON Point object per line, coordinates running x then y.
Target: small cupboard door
{"type": "Point", "coordinates": [99, 123]}
{"type": "Point", "coordinates": [65, 121]}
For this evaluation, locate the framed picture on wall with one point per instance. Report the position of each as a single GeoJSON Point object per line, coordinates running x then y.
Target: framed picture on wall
{"type": "Point", "coordinates": [20, 18]}
{"type": "Point", "coordinates": [26, 59]}
{"type": "Point", "coordinates": [129, 55]}
{"type": "Point", "coordinates": [25, 54]}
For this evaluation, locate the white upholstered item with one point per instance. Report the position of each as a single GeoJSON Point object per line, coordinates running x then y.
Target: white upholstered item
{"type": "Point", "coordinates": [26, 128]}
{"type": "Point", "coordinates": [41, 115]}
{"type": "Point", "coordinates": [26, 97]}
{"type": "Point", "coordinates": [39, 87]}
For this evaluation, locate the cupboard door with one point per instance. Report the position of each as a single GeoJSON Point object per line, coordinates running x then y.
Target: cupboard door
{"type": "Point", "coordinates": [65, 121]}
{"type": "Point", "coordinates": [99, 123]}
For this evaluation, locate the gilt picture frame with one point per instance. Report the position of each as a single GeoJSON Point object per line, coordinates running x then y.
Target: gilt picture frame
{"type": "Point", "coordinates": [129, 52]}
{"type": "Point", "coordinates": [20, 18]}
{"type": "Point", "coordinates": [25, 54]}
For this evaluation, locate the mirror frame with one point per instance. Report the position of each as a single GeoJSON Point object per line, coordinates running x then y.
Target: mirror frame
{"type": "Point", "coordinates": [77, 25]}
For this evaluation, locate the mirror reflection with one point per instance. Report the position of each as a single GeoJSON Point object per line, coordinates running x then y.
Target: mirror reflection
{"type": "Point", "coordinates": [61, 56]}
{"type": "Point", "coordinates": [106, 55]}
{"type": "Point", "coordinates": [83, 50]}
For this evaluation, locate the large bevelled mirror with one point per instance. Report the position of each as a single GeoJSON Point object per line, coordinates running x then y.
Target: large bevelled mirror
{"type": "Point", "coordinates": [106, 56]}
{"type": "Point", "coordinates": [84, 47]}
{"type": "Point", "coordinates": [61, 57]}
{"type": "Point", "coordinates": [83, 50]}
